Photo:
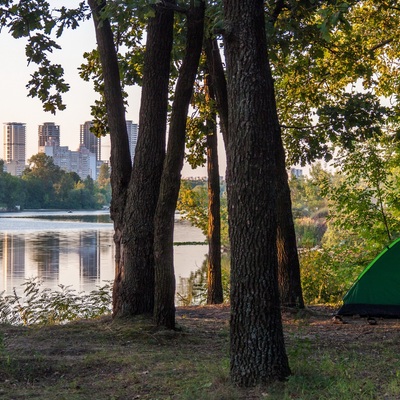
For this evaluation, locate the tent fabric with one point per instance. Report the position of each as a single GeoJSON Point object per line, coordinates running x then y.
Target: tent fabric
{"type": "Point", "coordinates": [376, 292]}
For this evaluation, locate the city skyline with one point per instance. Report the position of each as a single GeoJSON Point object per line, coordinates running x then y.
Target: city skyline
{"type": "Point", "coordinates": [85, 161]}
{"type": "Point", "coordinates": [15, 105]}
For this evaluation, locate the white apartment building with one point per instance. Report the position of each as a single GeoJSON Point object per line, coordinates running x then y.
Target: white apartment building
{"type": "Point", "coordinates": [82, 161]}
{"type": "Point", "coordinates": [14, 147]}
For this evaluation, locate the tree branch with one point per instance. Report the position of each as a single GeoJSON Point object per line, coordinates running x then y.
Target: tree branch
{"type": "Point", "coordinates": [169, 6]}
{"type": "Point", "coordinates": [310, 127]}
{"type": "Point", "coordinates": [382, 44]}
{"type": "Point", "coordinates": [279, 6]}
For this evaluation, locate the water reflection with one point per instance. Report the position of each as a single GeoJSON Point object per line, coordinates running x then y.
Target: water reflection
{"type": "Point", "coordinates": [74, 250]}
{"type": "Point", "coordinates": [82, 259]}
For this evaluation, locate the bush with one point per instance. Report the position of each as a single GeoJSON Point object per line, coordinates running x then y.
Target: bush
{"type": "Point", "coordinates": [328, 273]}
{"type": "Point", "coordinates": [41, 306]}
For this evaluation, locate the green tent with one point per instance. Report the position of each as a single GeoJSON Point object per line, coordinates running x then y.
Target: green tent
{"type": "Point", "coordinates": [376, 292]}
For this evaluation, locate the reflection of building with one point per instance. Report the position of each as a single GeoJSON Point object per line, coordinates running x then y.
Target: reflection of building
{"type": "Point", "coordinates": [89, 256]}
{"type": "Point", "coordinates": [46, 252]}
{"type": "Point", "coordinates": [14, 147]}
{"type": "Point", "coordinates": [13, 256]}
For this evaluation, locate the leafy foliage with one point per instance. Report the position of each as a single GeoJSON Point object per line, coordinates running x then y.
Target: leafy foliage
{"type": "Point", "coordinates": [193, 206]}
{"type": "Point", "coordinates": [39, 24]}
{"type": "Point", "coordinates": [40, 306]}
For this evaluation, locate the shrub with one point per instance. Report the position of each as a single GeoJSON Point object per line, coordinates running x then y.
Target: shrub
{"type": "Point", "coordinates": [41, 306]}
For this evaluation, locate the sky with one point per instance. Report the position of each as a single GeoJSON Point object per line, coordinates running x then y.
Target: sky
{"type": "Point", "coordinates": [16, 106]}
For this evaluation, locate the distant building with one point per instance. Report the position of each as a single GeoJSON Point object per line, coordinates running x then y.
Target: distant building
{"type": "Point", "coordinates": [132, 137]}
{"type": "Point", "coordinates": [14, 147]}
{"type": "Point", "coordinates": [48, 135]}
{"type": "Point", "coordinates": [82, 161]}
{"type": "Point", "coordinates": [89, 140]}
{"type": "Point", "coordinates": [296, 172]}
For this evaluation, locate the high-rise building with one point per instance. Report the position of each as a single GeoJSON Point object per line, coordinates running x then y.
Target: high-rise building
{"type": "Point", "coordinates": [49, 135]}
{"type": "Point", "coordinates": [132, 136]}
{"type": "Point", "coordinates": [89, 140]}
{"type": "Point", "coordinates": [14, 147]}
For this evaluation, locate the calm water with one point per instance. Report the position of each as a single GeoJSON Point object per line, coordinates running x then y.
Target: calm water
{"type": "Point", "coordinates": [74, 249]}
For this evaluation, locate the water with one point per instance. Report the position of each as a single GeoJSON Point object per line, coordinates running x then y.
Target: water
{"type": "Point", "coordinates": [74, 249]}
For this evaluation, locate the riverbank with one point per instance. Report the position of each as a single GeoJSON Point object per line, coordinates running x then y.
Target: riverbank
{"type": "Point", "coordinates": [101, 359]}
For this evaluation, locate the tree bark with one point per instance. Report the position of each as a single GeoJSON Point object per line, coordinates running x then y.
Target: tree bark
{"type": "Point", "coordinates": [289, 280]}
{"type": "Point", "coordinates": [120, 157]}
{"type": "Point", "coordinates": [218, 83]}
{"type": "Point", "coordinates": [288, 260]}
{"type": "Point", "coordinates": [134, 279]}
{"type": "Point", "coordinates": [164, 308]}
{"type": "Point", "coordinates": [215, 293]}
{"type": "Point", "coordinates": [256, 339]}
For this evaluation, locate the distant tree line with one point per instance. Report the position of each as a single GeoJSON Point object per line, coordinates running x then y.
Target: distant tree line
{"type": "Point", "coordinates": [45, 185]}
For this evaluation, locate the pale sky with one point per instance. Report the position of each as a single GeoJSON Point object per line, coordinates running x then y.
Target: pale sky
{"type": "Point", "coordinates": [16, 106]}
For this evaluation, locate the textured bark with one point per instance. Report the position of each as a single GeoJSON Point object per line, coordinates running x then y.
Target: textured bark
{"type": "Point", "coordinates": [256, 339]}
{"type": "Point", "coordinates": [214, 279]}
{"type": "Point", "coordinates": [288, 261]}
{"type": "Point", "coordinates": [164, 308]}
{"type": "Point", "coordinates": [121, 166]}
{"type": "Point", "coordinates": [134, 278]}
{"type": "Point", "coordinates": [218, 84]}
{"type": "Point", "coordinates": [290, 290]}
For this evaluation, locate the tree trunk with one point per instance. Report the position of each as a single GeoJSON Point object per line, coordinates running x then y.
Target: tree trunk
{"type": "Point", "coordinates": [256, 339]}
{"type": "Point", "coordinates": [215, 293]}
{"type": "Point", "coordinates": [218, 83]}
{"type": "Point", "coordinates": [120, 157]}
{"type": "Point", "coordinates": [134, 278]}
{"type": "Point", "coordinates": [288, 260]}
{"type": "Point", "coordinates": [164, 308]}
{"type": "Point", "coordinates": [290, 290]}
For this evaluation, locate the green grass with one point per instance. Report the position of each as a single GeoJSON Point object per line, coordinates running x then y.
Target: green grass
{"type": "Point", "coordinates": [101, 359]}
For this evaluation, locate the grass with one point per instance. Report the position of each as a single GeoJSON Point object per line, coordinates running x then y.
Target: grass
{"type": "Point", "coordinates": [105, 359]}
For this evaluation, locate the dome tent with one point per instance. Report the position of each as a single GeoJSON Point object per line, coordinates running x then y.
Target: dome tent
{"type": "Point", "coordinates": [376, 292]}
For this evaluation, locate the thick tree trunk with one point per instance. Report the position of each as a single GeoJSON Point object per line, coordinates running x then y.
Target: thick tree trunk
{"type": "Point", "coordinates": [256, 340]}
{"type": "Point", "coordinates": [215, 293]}
{"type": "Point", "coordinates": [288, 260]}
{"type": "Point", "coordinates": [164, 308]}
{"type": "Point", "coordinates": [121, 166]}
{"type": "Point", "coordinates": [134, 279]}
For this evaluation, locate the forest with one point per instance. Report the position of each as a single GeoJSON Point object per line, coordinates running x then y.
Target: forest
{"type": "Point", "coordinates": [286, 83]}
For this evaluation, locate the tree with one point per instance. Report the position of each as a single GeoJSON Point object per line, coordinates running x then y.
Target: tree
{"type": "Point", "coordinates": [137, 277]}
{"type": "Point", "coordinates": [257, 347]}
{"type": "Point", "coordinates": [203, 149]}
{"type": "Point", "coordinates": [164, 308]}
{"type": "Point", "coordinates": [214, 273]}
{"type": "Point", "coordinates": [288, 260]}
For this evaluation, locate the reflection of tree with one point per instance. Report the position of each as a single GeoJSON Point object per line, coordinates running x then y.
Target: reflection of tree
{"type": "Point", "coordinates": [46, 252]}
{"type": "Point", "coordinates": [89, 255]}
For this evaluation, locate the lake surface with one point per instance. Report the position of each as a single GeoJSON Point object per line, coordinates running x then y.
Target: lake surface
{"type": "Point", "coordinates": [74, 249]}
